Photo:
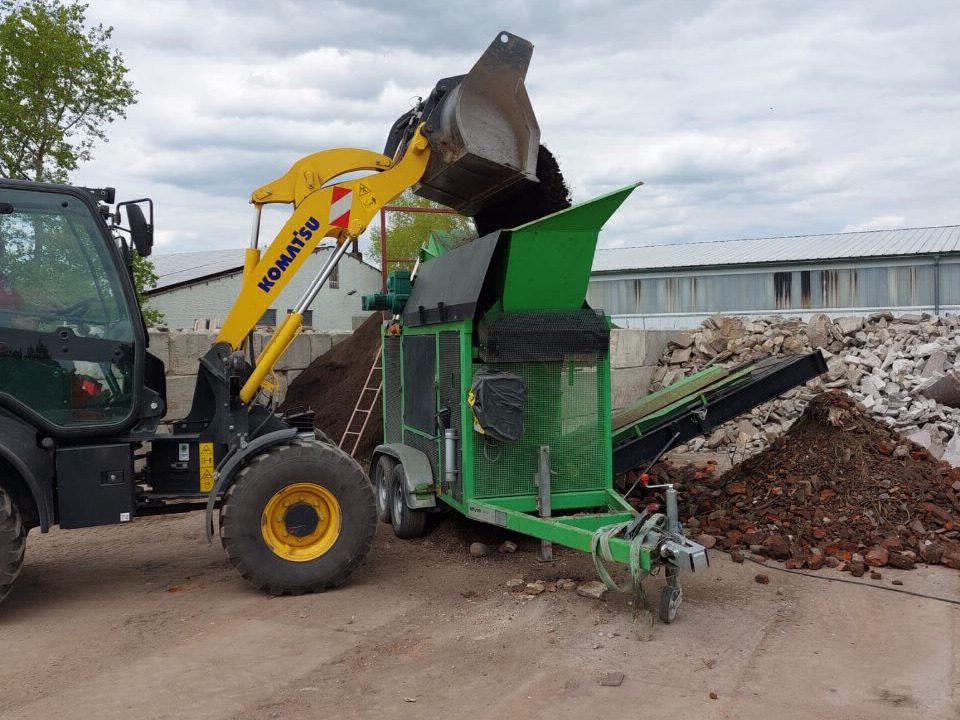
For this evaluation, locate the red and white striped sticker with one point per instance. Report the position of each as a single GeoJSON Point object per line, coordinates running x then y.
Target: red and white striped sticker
{"type": "Point", "coordinates": [341, 201]}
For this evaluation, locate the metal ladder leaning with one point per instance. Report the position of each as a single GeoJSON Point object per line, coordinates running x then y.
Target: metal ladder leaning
{"type": "Point", "coordinates": [362, 410]}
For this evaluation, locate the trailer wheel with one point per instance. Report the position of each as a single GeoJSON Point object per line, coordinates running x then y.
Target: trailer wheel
{"type": "Point", "coordinates": [670, 599]}
{"type": "Point", "coordinates": [407, 522]}
{"type": "Point", "coordinates": [382, 477]}
{"type": "Point", "coordinates": [299, 518]}
{"type": "Point", "coordinates": [13, 543]}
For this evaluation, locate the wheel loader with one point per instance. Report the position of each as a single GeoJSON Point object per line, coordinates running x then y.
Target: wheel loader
{"type": "Point", "coordinates": [82, 398]}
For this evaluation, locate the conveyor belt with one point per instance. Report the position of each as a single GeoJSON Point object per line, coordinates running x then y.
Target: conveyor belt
{"type": "Point", "coordinates": [640, 439]}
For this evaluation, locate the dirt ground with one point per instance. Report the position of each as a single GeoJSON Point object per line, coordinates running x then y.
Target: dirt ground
{"type": "Point", "coordinates": [148, 621]}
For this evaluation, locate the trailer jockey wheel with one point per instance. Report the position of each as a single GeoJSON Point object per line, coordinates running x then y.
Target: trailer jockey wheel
{"type": "Point", "coordinates": [670, 599]}
{"type": "Point", "coordinates": [382, 477]}
{"type": "Point", "coordinates": [407, 522]}
{"type": "Point", "coordinates": [299, 518]}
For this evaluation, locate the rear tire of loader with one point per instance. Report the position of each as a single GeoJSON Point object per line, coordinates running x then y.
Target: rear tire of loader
{"type": "Point", "coordinates": [299, 518]}
{"type": "Point", "coordinates": [13, 543]}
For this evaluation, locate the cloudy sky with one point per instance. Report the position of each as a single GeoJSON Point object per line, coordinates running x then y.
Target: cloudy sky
{"type": "Point", "coordinates": [743, 118]}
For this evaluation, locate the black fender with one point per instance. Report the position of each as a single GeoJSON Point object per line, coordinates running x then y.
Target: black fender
{"type": "Point", "coordinates": [233, 461]}
{"type": "Point", "coordinates": [18, 447]}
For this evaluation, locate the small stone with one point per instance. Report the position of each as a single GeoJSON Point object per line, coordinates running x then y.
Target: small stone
{"type": "Point", "coordinates": [508, 546]}
{"type": "Point", "coordinates": [566, 584]}
{"type": "Point", "coordinates": [736, 488]}
{"type": "Point", "coordinates": [593, 590]}
{"type": "Point", "coordinates": [832, 562]}
{"type": "Point", "coordinates": [874, 575]}
{"type": "Point", "coordinates": [877, 556]}
{"type": "Point", "coordinates": [761, 578]}
{"type": "Point", "coordinates": [516, 582]}
{"type": "Point", "coordinates": [708, 541]}
{"type": "Point", "coordinates": [409, 699]}
{"type": "Point", "coordinates": [534, 588]}
{"type": "Point", "coordinates": [857, 569]}
{"type": "Point", "coordinates": [612, 679]}
{"type": "Point", "coordinates": [898, 582]}
{"type": "Point", "coordinates": [478, 549]}
{"type": "Point", "coordinates": [737, 555]}
{"type": "Point", "coordinates": [713, 696]}
{"type": "Point", "coordinates": [900, 561]}
{"type": "Point", "coordinates": [781, 590]}
{"type": "Point", "coordinates": [931, 553]}
{"type": "Point", "coordinates": [815, 559]}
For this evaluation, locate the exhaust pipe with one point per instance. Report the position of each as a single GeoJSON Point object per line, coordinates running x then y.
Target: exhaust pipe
{"type": "Point", "coordinates": [483, 135]}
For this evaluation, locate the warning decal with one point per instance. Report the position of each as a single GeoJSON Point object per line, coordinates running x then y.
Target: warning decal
{"type": "Point", "coordinates": [206, 467]}
{"type": "Point", "coordinates": [340, 202]}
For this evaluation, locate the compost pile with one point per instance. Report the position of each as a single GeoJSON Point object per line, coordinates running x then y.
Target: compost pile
{"type": "Point", "coordinates": [331, 385]}
{"type": "Point", "coordinates": [837, 489]}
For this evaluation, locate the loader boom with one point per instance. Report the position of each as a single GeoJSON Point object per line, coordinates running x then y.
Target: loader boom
{"type": "Point", "coordinates": [341, 211]}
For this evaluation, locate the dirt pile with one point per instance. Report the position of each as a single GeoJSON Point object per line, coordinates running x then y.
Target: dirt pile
{"type": "Point", "coordinates": [838, 489]}
{"type": "Point", "coordinates": [331, 385]}
{"type": "Point", "coordinates": [548, 196]}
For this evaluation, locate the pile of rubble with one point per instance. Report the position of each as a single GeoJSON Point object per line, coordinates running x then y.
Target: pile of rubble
{"type": "Point", "coordinates": [904, 371]}
{"type": "Point", "coordinates": [838, 489]}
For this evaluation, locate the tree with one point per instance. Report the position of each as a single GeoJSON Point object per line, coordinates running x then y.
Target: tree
{"type": "Point", "coordinates": [406, 232]}
{"type": "Point", "coordinates": [61, 84]}
{"type": "Point", "coordinates": [144, 278]}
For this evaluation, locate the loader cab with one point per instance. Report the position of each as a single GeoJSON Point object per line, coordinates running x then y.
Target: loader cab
{"type": "Point", "coordinates": [70, 331]}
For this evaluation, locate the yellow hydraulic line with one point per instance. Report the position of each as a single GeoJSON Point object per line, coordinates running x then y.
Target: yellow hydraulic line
{"type": "Point", "coordinates": [271, 354]}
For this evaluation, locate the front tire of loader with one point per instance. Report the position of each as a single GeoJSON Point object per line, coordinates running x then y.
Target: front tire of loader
{"type": "Point", "coordinates": [299, 518]}
{"type": "Point", "coordinates": [13, 543]}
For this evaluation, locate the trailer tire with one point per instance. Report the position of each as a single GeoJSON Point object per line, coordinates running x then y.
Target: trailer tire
{"type": "Point", "coordinates": [13, 543]}
{"type": "Point", "coordinates": [382, 479]}
{"type": "Point", "coordinates": [299, 518]}
{"type": "Point", "coordinates": [407, 522]}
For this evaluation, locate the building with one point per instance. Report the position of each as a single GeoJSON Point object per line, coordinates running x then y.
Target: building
{"type": "Point", "coordinates": [204, 285]}
{"type": "Point", "coordinates": [678, 286]}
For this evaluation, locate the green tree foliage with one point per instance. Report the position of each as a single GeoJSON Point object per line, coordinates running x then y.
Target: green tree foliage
{"type": "Point", "coordinates": [406, 232]}
{"type": "Point", "coordinates": [61, 84]}
{"type": "Point", "coordinates": [144, 278]}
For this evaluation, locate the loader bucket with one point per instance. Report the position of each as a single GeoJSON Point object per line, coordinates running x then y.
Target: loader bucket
{"type": "Point", "coordinates": [482, 131]}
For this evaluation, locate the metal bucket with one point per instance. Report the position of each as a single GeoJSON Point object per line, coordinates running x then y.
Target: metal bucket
{"type": "Point", "coordinates": [482, 131]}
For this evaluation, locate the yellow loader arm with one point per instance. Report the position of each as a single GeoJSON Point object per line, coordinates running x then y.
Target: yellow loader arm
{"type": "Point", "coordinates": [340, 210]}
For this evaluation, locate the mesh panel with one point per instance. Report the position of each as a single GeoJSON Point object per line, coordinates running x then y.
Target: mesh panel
{"type": "Point", "coordinates": [522, 337]}
{"type": "Point", "coordinates": [566, 406]}
{"type": "Point", "coordinates": [392, 398]}
{"type": "Point", "coordinates": [450, 391]}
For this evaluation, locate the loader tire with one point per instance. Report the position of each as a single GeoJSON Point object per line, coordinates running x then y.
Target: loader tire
{"type": "Point", "coordinates": [13, 543]}
{"type": "Point", "coordinates": [299, 518]}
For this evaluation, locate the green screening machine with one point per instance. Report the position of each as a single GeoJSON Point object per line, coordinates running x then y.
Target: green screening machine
{"type": "Point", "coordinates": [496, 399]}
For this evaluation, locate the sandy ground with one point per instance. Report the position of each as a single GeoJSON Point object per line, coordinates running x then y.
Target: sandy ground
{"type": "Point", "coordinates": [147, 621]}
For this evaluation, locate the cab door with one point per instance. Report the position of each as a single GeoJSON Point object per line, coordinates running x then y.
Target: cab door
{"type": "Point", "coordinates": [70, 336]}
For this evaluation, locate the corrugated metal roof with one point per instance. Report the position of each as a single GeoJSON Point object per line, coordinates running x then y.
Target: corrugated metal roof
{"type": "Point", "coordinates": [798, 248]}
{"type": "Point", "coordinates": [179, 268]}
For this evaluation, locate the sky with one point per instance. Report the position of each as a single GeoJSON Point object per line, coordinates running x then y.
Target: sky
{"type": "Point", "coordinates": [742, 118]}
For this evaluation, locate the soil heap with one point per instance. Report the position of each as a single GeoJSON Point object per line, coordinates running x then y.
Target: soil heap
{"type": "Point", "coordinates": [838, 488]}
{"type": "Point", "coordinates": [331, 385]}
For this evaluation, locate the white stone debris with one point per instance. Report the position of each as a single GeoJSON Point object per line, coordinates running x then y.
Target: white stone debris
{"type": "Point", "coordinates": [904, 371]}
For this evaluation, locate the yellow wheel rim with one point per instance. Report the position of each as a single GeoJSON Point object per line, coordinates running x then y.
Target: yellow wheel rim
{"type": "Point", "coordinates": [301, 522]}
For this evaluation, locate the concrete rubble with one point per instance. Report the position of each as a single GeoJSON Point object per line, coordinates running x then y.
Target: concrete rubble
{"type": "Point", "coordinates": [904, 371]}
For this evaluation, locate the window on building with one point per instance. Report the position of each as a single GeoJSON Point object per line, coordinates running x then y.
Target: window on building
{"type": "Point", "coordinates": [333, 282]}
{"type": "Point", "coordinates": [307, 317]}
{"type": "Point", "coordinates": [269, 318]}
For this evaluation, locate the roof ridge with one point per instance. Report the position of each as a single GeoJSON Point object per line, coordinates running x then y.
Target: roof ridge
{"type": "Point", "coordinates": [776, 237]}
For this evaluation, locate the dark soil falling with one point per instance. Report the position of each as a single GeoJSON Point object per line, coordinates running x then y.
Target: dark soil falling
{"type": "Point", "coordinates": [548, 196]}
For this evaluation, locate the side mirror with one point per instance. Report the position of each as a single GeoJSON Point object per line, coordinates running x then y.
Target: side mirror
{"type": "Point", "coordinates": [141, 230]}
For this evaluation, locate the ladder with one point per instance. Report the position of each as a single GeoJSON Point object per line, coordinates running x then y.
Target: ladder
{"type": "Point", "coordinates": [363, 409]}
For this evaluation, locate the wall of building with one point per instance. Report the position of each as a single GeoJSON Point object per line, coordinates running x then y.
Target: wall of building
{"type": "Point", "coordinates": [333, 310]}
{"type": "Point", "coordinates": [684, 298]}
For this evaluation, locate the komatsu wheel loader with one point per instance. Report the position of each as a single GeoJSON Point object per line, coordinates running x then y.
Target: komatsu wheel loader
{"type": "Point", "coordinates": [82, 398]}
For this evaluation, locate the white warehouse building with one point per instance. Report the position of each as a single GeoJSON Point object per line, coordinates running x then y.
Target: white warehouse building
{"type": "Point", "coordinates": [203, 286]}
{"type": "Point", "coordinates": [678, 286]}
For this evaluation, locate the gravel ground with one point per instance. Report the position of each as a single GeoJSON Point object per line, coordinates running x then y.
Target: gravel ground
{"type": "Point", "coordinates": [148, 621]}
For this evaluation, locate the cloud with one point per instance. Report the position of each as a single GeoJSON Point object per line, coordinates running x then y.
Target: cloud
{"type": "Point", "coordinates": [742, 118]}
